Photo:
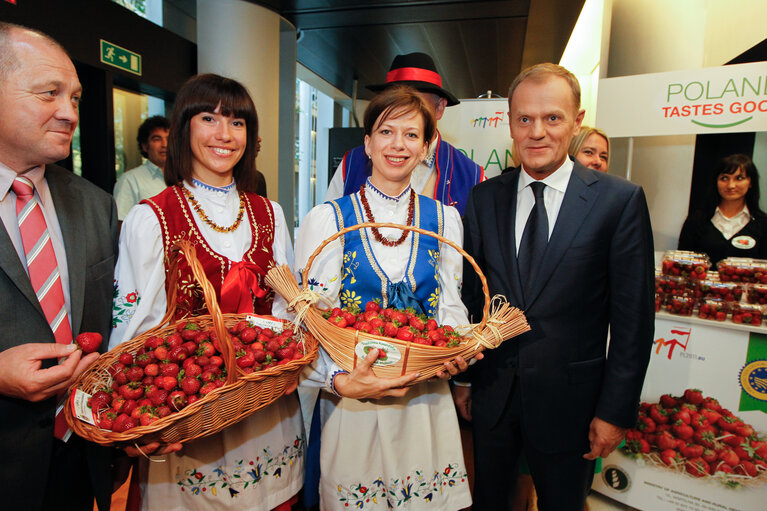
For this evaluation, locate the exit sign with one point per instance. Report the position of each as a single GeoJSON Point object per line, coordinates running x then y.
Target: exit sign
{"type": "Point", "coordinates": [120, 58]}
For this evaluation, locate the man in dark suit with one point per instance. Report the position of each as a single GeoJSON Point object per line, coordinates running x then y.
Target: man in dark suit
{"type": "Point", "coordinates": [571, 247]}
{"type": "Point", "coordinates": [39, 93]}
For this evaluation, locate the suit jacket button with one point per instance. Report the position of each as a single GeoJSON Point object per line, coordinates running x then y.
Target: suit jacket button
{"type": "Point", "coordinates": [46, 423]}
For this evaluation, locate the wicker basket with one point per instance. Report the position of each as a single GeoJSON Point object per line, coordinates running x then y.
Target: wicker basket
{"type": "Point", "coordinates": [242, 394]}
{"type": "Point", "coordinates": [346, 346]}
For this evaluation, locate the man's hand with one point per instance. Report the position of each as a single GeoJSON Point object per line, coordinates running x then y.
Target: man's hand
{"type": "Point", "coordinates": [154, 448]}
{"type": "Point", "coordinates": [459, 366]}
{"type": "Point", "coordinates": [362, 382]}
{"type": "Point", "coordinates": [22, 376]}
{"type": "Point", "coordinates": [462, 398]}
{"type": "Point", "coordinates": [604, 438]}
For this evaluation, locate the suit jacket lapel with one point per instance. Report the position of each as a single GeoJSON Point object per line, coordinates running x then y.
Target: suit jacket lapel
{"type": "Point", "coordinates": [578, 200]}
{"type": "Point", "coordinates": [11, 265]}
{"type": "Point", "coordinates": [506, 213]}
{"type": "Point", "coordinates": [68, 214]}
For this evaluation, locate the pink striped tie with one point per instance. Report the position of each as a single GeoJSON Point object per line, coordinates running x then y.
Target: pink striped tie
{"type": "Point", "coordinates": [43, 271]}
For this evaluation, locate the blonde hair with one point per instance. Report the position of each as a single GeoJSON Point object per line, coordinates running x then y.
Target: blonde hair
{"type": "Point", "coordinates": [540, 72]}
{"type": "Point", "coordinates": [585, 132]}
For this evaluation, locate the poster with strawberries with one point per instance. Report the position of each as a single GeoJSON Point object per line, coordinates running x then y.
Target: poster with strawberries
{"type": "Point", "coordinates": [700, 442]}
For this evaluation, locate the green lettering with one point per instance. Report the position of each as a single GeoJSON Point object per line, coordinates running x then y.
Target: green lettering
{"type": "Point", "coordinates": [670, 93]}
{"type": "Point", "coordinates": [730, 87]}
{"type": "Point", "coordinates": [496, 161]}
{"type": "Point", "coordinates": [750, 85]}
{"type": "Point", "coordinates": [509, 156]}
{"type": "Point", "coordinates": [700, 91]}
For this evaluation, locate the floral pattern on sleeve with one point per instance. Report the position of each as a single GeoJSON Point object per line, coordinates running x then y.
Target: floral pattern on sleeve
{"type": "Point", "coordinates": [123, 305]}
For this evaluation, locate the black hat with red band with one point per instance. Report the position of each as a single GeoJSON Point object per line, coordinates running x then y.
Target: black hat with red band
{"type": "Point", "coordinates": [418, 71]}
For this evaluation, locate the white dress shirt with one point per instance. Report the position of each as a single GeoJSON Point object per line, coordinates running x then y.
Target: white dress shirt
{"type": "Point", "coordinates": [729, 227]}
{"type": "Point", "coordinates": [553, 194]}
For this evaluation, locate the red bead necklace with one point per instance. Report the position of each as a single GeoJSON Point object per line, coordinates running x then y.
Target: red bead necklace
{"type": "Point", "coordinates": [376, 234]}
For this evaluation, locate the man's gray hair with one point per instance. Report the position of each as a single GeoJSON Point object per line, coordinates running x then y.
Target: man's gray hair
{"type": "Point", "coordinates": [9, 62]}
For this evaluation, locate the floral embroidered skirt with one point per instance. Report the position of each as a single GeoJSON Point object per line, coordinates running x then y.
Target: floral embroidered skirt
{"type": "Point", "coordinates": [401, 453]}
{"type": "Point", "coordinates": [254, 465]}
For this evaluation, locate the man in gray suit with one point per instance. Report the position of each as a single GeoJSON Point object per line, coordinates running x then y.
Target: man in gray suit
{"type": "Point", "coordinates": [39, 95]}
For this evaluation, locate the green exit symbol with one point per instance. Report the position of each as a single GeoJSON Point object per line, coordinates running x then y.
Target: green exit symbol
{"type": "Point", "coordinates": [120, 58]}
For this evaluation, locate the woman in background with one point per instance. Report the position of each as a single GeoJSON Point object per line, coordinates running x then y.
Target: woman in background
{"type": "Point", "coordinates": [731, 224]}
{"type": "Point", "coordinates": [591, 148]}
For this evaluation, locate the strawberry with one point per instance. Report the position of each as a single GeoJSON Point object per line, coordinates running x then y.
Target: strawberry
{"type": "Point", "coordinates": [178, 354]}
{"type": "Point", "coordinates": [692, 451]}
{"type": "Point", "coordinates": [665, 441]}
{"type": "Point", "coordinates": [134, 373]}
{"type": "Point", "coordinates": [693, 396]}
{"type": "Point", "coordinates": [245, 358]}
{"type": "Point", "coordinates": [248, 335]}
{"type": "Point", "coordinates": [126, 358]}
{"type": "Point", "coordinates": [372, 306]}
{"type": "Point", "coordinates": [670, 457]}
{"type": "Point", "coordinates": [390, 329]}
{"type": "Point", "coordinates": [193, 370]}
{"type": "Point", "coordinates": [123, 422]}
{"type": "Point", "coordinates": [682, 431]}
{"type": "Point", "coordinates": [709, 456]}
{"type": "Point", "coordinates": [161, 353]}
{"type": "Point", "coordinates": [339, 321]}
{"type": "Point", "coordinates": [732, 440]}
{"type": "Point", "coordinates": [190, 385]}
{"type": "Point", "coordinates": [405, 334]}
{"type": "Point", "coordinates": [285, 353]}
{"type": "Point", "coordinates": [746, 468]}
{"type": "Point", "coordinates": [158, 396]}
{"type": "Point", "coordinates": [131, 391]}
{"type": "Point", "coordinates": [417, 323]}
{"type": "Point", "coordinates": [168, 383]}
{"type": "Point", "coordinates": [712, 415]}
{"type": "Point", "coordinates": [640, 446]}
{"type": "Point", "coordinates": [106, 420]}
{"type": "Point", "coordinates": [163, 411]}
{"type": "Point", "coordinates": [206, 349]}
{"type": "Point", "coordinates": [697, 467]}
{"type": "Point", "coordinates": [711, 404]}
{"type": "Point", "coordinates": [645, 424]}
{"type": "Point", "coordinates": [682, 415]}
{"type": "Point", "coordinates": [729, 457]}
{"type": "Point", "coordinates": [169, 369]}
{"type": "Point", "coordinates": [207, 388]}
{"type": "Point", "coordinates": [189, 332]}
{"type": "Point", "coordinates": [658, 414]}
{"type": "Point", "coordinates": [399, 317]}
{"type": "Point", "coordinates": [432, 324]}
{"type": "Point", "coordinates": [145, 359]}
{"type": "Point", "coordinates": [177, 400]}
{"type": "Point", "coordinates": [89, 342]}
{"type": "Point", "coordinates": [153, 342]}
{"type": "Point", "coordinates": [744, 430]}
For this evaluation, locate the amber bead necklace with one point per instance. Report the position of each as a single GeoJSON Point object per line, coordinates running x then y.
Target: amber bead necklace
{"type": "Point", "coordinates": [201, 213]}
{"type": "Point", "coordinates": [376, 233]}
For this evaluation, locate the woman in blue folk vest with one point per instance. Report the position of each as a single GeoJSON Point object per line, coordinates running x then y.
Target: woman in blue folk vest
{"type": "Point", "coordinates": [384, 445]}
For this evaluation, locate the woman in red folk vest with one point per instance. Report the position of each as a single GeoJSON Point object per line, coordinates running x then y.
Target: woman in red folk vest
{"type": "Point", "coordinates": [256, 464]}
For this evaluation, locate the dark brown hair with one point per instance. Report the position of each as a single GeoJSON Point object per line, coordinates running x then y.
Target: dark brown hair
{"type": "Point", "coordinates": [730, 165]}
{"type": "Point", "coordinates": [204, 93]}
{"type": "Point", "coordinates": [401, 100]}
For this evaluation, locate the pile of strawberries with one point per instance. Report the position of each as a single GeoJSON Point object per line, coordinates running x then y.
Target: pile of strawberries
{"type": "Point", "coordinates": [695, 434]}
{"type": "Point", "coordinates": [404, 325]}
{"type": "Point", "coordinates": [168, 374]}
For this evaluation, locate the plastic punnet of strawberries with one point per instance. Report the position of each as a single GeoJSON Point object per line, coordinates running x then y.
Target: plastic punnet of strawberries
{"type": "Point", "coordinates": [405, 325]}
{"type": "Point", "coordinates": [169, 373]}
{"type": "Point", "coordinates": [695, 434]}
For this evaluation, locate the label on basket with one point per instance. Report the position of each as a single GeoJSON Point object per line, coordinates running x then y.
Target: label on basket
{"type": "Point", "coordinates": [388, 353]}
{"type": "Point", "coordinates": [262, 322]}
{"type": "Point", "coordinates": [78, 401]}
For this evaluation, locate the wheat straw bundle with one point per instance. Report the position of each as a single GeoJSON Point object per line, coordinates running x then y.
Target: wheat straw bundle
{"type": "Point", "coordinates": [239, 397]}
{"type": "Point", "coordinates": [346, 346]}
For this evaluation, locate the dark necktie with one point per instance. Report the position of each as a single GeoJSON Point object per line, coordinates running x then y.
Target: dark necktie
{"type": "Point", "coordinates": [534, 239]}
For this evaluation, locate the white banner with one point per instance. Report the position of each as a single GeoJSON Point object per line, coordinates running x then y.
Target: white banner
{"type": "Point", "coordinates": [720, 362]}
{"type": "Point", "coordinates": [709, 100]}
{"type": "Point", "coordinates": [480, 129]}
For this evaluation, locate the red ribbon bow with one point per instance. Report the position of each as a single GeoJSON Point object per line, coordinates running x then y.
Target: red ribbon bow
{"type": "Point", "coordinates": [240, 282]}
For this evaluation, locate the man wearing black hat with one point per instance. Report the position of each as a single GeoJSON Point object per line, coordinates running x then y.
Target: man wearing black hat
{"type": "Point", "coordinates": [446, 174]}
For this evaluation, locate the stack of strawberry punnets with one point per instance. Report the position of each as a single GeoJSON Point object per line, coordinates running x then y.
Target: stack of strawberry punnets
{"type": "Point", "coordinates": [694, 434]}
{"type": "Point", "coordinates": [183, 381]}
{"type": "Point", "coordinates": [397, 356]}
{"type": "Point", "coordinates": [743, 269]}
{"type": "Point", "coordinates": [691, 265]}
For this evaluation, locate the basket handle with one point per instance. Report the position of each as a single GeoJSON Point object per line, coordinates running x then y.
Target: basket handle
{"type": "Point", "coordinates": [485, 290]}
{"type": "Point", "coordinates": [184, 248]}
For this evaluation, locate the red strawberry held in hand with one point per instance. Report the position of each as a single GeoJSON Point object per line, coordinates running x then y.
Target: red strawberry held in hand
{"type": "Point", "coordinates": [89, 342]}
